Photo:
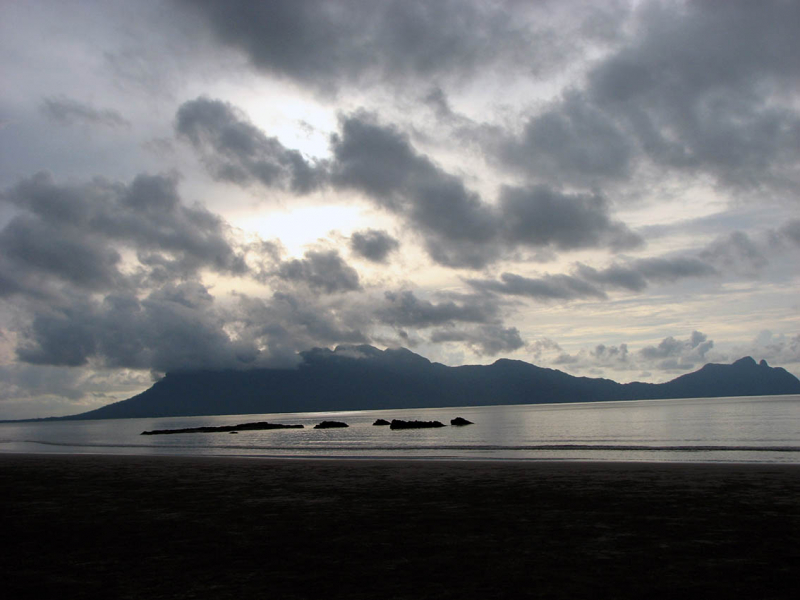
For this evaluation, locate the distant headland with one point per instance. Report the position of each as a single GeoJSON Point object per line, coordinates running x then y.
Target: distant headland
{"type": "Point", "coordinates": [366, 378]}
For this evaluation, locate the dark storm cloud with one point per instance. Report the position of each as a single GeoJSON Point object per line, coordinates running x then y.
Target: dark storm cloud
{"type": "Point", "coordinates": [637, 274]}
{"type": "Point", "coordinates": [373, 244]}
{"type": "Point", "coordinates": [290, 322]}
{"type": "Point", "coordinates": [698, 88]}
{"type": "Point", "coordinates": [548, 287]}
{"type": "Point", "coordinates": [572, 143]}
{"type": "Point", "coordinates": [237, 151]}
{"type": "Point", "coordinates": [540, 216]}
{"type": "Point", "coordinates": [67, 111]}
{"type": "Point", "coordinates": [667, 270]}
{"type": "Point", "coordinates": [74, 233]}
{"type": "Point", "coordinates": [619, 276]}
{"type": "Point", "coordinates": [705, 88]}
{"type": "Point", "coordinates": [379, 161]}
{"type": "Point", "coordinates": [63, 337]}
{"type": "Point", "coordinates": [323, 271]}
{"type": "Point", "coordinates": [32, 249]}
{"type": "Point", "coordinates": [486, 340]}
{"type": "Point", "coordinates": [175, 327]}
{"type": "Point", "coordinates": [325, 44]}
{"type": "Point", "coordinates": [587, 282]}
{"type": "Point", "coordinates": [182, 326]}
{"type": "Point", "coordinates": [460, 229]}
{"type": "Point", "coordinates": [404, 309]}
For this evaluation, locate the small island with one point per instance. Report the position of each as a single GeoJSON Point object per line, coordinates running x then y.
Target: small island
{"type": "Point", "coordinates": [381, 422]}
{"type": "Point", "coordinates": [261, 425]}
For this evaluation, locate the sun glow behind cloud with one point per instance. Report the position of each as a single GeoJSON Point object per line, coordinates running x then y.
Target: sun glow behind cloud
{"type": "Point", "coordinates": [299, 228]}
{"type": "Point", "coordinates": [284, 112]}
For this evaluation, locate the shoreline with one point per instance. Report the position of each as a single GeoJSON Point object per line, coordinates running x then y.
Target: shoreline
{"type": "Point", "coordinates": [413, 458]}
{"type": "Point", "coordinates": [132, 526]}
{"type": "Point", "coordinates": [402, 459]}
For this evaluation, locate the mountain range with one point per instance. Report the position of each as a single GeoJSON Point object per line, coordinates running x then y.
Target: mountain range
{"type": "Point", "coordinates": [366, 378]}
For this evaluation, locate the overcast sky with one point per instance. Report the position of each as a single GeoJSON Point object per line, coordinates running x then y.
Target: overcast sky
{"type": "Point", "coordinates": [607, 188]}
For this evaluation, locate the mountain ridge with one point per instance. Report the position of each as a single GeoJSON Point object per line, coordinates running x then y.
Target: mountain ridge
{"type": "Point", "coordinates": [364, 378]}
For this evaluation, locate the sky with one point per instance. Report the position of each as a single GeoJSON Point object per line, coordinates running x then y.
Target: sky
{"type": "Point", "coordinates": [606, 188]}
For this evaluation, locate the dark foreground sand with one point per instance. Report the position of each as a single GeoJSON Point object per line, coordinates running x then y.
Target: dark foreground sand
{"type": "Point", "coordinates": [150, 527]}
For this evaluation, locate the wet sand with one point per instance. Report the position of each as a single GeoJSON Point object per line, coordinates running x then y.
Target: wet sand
{"type": "Point", "coordinates": [158, 527]}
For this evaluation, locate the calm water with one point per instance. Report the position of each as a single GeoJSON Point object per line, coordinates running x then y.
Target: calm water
{"type": "Point", "coordinates": [752, 429]}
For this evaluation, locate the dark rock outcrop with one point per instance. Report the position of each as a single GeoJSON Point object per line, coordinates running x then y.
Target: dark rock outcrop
{"type": "Point", "coordinates": [330, 425]}
{"type": "Point", "coordinates": [460, 421]}
{"type": "Point", "coordinates": [400, 424]}
{"type": "Point", "coordinates": [229, 428]}
{"type": "Point", "coordinates": [381, 422]}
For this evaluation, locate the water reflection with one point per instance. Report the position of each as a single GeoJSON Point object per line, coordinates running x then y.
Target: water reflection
{"type": "Point", "coordinates": [760, 429]}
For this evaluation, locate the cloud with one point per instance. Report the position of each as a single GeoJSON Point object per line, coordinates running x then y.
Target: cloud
{"type": "Point", "coordinates": [549, 287]}
{"type": "Point", "coordinates": [460, 229]}
{"type": "Point", "coordinates": [671, 356]}
{"type": "Point", "coordinates": [326, 44]}
{"type": "Point", "coordinates": [588, 282]}
{"type": "Point", "coordinates": [373, 244]}
{"type": "Point", "coordinates": [175, 327]}
{"type": "Point", "coordinates": [637, 274]}
{"type": "Point", "coordinates": [32, 381]}
{"type": "Point", "coordinates": [404, 309]}
{"type": "Point", "coordinates": [540, 216]}
{"type": "Point", "coordinates": [290, 322]}
{"type": "Point", "coordinates": [380, 162]}
{"type": "Point", "coordinates": [323, 271]}
{"type": "Point", "coordinates": [791, 231]}
{"type": "Point", "coordinates": [485, 340]}
{"type": "Point", "coordinates": [705, 88]}
{"type": "Point", "coordinates": [678, 355]}
{"type": "Point", "coordinates": [183, 327]}
{"type": "Point", "coordinates": [66, 111]}
{"type": "Point", "coordinates": [693, 89]}
{"type": "Point", "coordinates": [238, 152]}
{"type": "Point", "coordinates": [615, 356]}
{"type": "Point", "coordinates": [76, 234]}
{"type": "Point", "coordinates": [572, 143]}
{"type": "Point", "coordinates": [33, 249]}
{"type": "Point", "coordinates": [735, 252]}
{"type": "Point", "coordinates": [775, 347]}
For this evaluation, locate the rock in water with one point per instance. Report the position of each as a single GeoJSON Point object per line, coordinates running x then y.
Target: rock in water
{"type": "Point", "coordinates": [459, 421]}
{"type": "Point", "coordinates": [229, 428]}
{"type": "Point", "coordinates": [399, 424]}
{"type": "Point", "coordinates": [330, 425]}
{"type": "Point", "coordinates": [381, 422]}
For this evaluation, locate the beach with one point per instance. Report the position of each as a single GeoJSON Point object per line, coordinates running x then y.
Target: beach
{"type": "Point", "coordinates": [94, 526]}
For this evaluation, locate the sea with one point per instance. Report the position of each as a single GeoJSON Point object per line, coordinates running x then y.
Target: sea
{"type": "Point", "coordinates": [755, 429]}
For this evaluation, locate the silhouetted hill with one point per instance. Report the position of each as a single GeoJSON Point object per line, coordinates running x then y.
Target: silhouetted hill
{"type": "Point", "coordinates": [363, 377]}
